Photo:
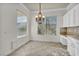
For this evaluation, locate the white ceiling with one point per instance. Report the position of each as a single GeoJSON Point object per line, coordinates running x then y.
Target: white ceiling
{"type": "Point", "coordinates": [35, 6]}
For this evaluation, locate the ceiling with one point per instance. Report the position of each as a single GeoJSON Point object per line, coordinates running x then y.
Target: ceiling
{"type": "Point", "coordinates": [35, 6]}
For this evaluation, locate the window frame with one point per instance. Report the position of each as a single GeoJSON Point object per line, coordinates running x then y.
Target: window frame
{"type": "Point", "coordinates": [24, 35]}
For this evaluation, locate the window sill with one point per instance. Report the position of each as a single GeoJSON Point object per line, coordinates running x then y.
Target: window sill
{"type": "Point", "coordinates": [21, 36]}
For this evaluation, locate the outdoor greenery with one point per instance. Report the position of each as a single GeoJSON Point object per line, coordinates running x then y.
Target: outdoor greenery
{"type": "Point", "coordinates": [22, 29]}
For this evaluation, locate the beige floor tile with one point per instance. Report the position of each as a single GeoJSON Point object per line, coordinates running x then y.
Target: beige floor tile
{"type": "Point", "coordinates": [36, 48]}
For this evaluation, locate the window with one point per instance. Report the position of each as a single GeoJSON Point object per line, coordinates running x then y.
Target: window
{"type": "Point", "coordinates": [21, 24]}
{"type": "Point", "coordinates": [51, 23]}
{"type": "Point", "coordinates": [48, 26]}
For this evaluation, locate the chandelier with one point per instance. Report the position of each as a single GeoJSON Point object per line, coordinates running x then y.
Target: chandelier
{"type": "Point", "coordinates": [39, 18]}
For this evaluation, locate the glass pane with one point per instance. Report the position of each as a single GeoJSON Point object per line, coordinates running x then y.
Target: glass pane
{"type": "Point", "coordinates": [21, 25]}
{"type": "Point", "coordinates": [48, 26]}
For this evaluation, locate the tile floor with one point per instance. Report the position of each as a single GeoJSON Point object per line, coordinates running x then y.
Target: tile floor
{"type": "Point", "coordinates": [36, 48]}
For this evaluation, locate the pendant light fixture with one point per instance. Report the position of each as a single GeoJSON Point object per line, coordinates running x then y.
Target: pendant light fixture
{"type": "Point", "coordinates": [40, 18]}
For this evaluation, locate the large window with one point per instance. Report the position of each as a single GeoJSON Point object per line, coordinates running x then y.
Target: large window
{"type": "Point", "coordinates": [48, 26]}
{"type": "Point", "coordinates": [21, 24]}
{"type": "Point", "coordinates": [51, 23]}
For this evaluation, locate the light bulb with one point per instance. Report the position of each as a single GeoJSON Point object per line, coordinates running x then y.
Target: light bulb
{"type": "Point", "coordinates": [40, 15]}
{"type": "Point", "coordinates": [43, 16]}
{"type": "Point", "coordinates": [36, 16]}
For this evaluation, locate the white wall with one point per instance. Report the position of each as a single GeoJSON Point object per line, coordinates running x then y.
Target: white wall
{"type": "Point", "coordinates": [59, 24]}
{"type": "Point", "coordinates": [0, 29]}
{"type": "Point", "coordinates": [51, 38]}
{"type": "Point", "coordinates": [8, 23]}
{"type": "Point", "coordinates": [8, 39]}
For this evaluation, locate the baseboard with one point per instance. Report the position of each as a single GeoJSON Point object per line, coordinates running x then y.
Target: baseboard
{"type": "Point", "coordinates": [46, 41]}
